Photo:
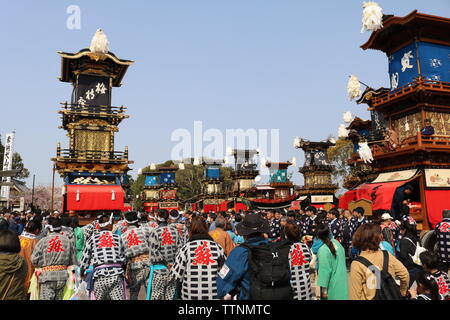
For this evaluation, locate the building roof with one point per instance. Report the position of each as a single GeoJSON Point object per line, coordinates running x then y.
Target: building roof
{"type": "Point", "coordinates": [68, 68]}
{"type": "Point", "coordinates": [398, 32]}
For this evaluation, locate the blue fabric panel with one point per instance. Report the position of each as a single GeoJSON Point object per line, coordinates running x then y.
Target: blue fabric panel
{"type": "Point", "coordinates": [279, 176]}
{"type": "Point", "coordinates": [167, 177]}
{"type": "Point", "coordinates": [401, 75]}
{"type": "Point", "coordinates": [213, 173]}
{"type": "Point", "coordinates": [151, 180]}
{"type": "Point", "coordinates": [434, 61]}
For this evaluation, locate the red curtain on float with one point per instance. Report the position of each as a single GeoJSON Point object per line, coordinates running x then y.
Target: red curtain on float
{"type": "Point", "coordinates": [93, 197]}
{"type": "Point", "coordinates": [437, 201]}
{"type": "Point", "coordinates": [346, 198]}
{"type": "Point", "coordinates": [381, 194]}
{"type": "Point", "coordinates": [210, 207]}
{"type": "Point", "coordinates": [224, 206]}
{"type": "Point", "coordinates": [150, 206]}
{"type": "Point", "coordinates": [240, 206]}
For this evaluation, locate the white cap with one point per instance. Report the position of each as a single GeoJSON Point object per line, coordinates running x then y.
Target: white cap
{"type": "Point", "coordinates": [386, 216]}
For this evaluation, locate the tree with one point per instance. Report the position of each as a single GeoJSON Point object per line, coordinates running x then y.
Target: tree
{"type": "Point", "coordinates": [338, 156]}
{"type": "Point", "coordinates": [43, 197]}
{"type": "Point", "coordinates": [17, 164]}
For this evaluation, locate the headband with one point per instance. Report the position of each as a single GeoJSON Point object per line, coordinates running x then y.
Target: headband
{"type": "Point", "coordinates": [50, 227]}
{"type": "Point", "coordinates": [107, 223]}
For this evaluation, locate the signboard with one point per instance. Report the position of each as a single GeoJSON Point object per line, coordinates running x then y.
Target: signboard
{"type": "Point", "coordinates": [437, 178]}
{"type": "Point", "coordinates": [7, 164]}
{"type": "Point", "coordinates": [215, 202]}
{"type": "Point", "coordinates": [93, 91]}
{"type": "Point", "coordinates": [321, 199]}
{"type": "Point", "coordinates": [165, 205]}
{"type": "Point", "coordinates": [395, 176]}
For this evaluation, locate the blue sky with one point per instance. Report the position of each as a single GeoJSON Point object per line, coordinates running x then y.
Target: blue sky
{"type": "Point", "coordinates": [231, 64]}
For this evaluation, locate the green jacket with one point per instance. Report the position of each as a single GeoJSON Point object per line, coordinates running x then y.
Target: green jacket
{"type": "Point", "coordinates": [332, 272]}
{"type": "Point", "coordinates": [13, 272]}
{"type": "Point", "coordinates": [79, 242]}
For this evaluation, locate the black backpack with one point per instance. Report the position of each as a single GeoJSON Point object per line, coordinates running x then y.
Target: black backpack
{"type": "Point", "coordinates": [388, 288]}
{"type": "Point", "coordinates": [270, 271]}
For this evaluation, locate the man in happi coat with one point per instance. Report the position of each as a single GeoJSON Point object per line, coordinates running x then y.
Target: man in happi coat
{"type": "Point", "coordinates": [53, 254]}
{"type": "Point", "coordinates": [175, 221]}
{"type": "Point", "coordinates": [90, 229]}
{"type": "Point", "coordinates": [196, 267]}
{"type": "Point", "coordinates": [165, 242]}
{"type": "Point", "coordinates": [105, 251]}
{"type": "Point", "coordinates": [136, 241]}
{"type": "Point", "coordinates": [66, 229]}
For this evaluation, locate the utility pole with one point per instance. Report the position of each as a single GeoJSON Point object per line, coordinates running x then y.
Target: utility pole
{"type": "Point", "coordinates": [53, 187]}
{"type": "Point", "coordinates": [32, 193]}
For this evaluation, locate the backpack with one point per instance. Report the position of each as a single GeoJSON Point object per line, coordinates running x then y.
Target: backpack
{"type": "Point", "coordinates": [270, 271]}
{"type": "Point", "coordinates": [388, 288]}
{"type": "Point", "coordinates": [419, 249]}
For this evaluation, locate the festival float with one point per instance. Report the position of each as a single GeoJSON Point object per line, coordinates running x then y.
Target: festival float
{"type": "Point", "coordinates": [279, 193]}
{"type": "Point", "coordinates": [213, 197]}
{"type": "Point", "coordinates": [160, 188]}
{"type": "Point", "coordinates": [318, 190]}
{"type": "Point", "coordinates": [397, 150]}
{"type": "Point", "coordinates": [94, 174]}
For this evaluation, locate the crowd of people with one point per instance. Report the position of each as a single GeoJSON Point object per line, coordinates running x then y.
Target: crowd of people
{"type": "Point", "coordinates": [260, 254]}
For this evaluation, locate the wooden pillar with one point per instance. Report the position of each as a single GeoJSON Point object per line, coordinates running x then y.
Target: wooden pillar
{"type": "Point", "coordinates": [425, 223]}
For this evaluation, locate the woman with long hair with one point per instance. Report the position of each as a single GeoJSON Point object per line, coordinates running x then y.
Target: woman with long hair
{"type": "Point", "coordinates": [332, 273]}
{"type": "Point", "coordinates": [197, 263]}
{"type": "Point", "coordinates": [408, 245]}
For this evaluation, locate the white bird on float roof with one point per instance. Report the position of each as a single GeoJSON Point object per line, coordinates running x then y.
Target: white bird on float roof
{"type": "Point", "coordinates": [99, 42]}
{"type": "Point", "coordinates": [353, 87]}
{"type": "Point", "coordinates": [342, 131]}
{"type": "Point", "coordinates": [372, 19]}
{"type": "Point", "coordinates": [348, 117]}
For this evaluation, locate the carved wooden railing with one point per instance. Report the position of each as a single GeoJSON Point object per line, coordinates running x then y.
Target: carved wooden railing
{"type": "Point", "coordinates": [93, 109]}
{"type": "Point", "coordinates": [419, 141]}
{"type": "Point", "coordinates": [92, 155]}
{"type": "Point", "coordinates": [410, 87]}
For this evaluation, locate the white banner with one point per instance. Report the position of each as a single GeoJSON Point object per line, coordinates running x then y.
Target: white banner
{"type": "Point", "coordinates": [321, 199]}
{"type": "Point", "coordinates": [395, 176]}
{"type": "Point", "coordinates": [437, 178]}
{"type": "Point", "coordinates": [7, 164]}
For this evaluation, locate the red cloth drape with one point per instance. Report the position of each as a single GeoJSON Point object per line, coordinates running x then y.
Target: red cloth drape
{"type": "Point", "coordinates": [346, 198]}
{"type": "Point", "coordinates": [381, 194]}
{"type": "Point", "coordinates": [150, 206]}
{"type": "Point", "coordinates": [223, 205]}
{"type": "Point", "coordinates": [437, 201]}
{"type": "Point", "coordinates": [94, 197]}
{"type": "Point", "coordinates": [210, 207]}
